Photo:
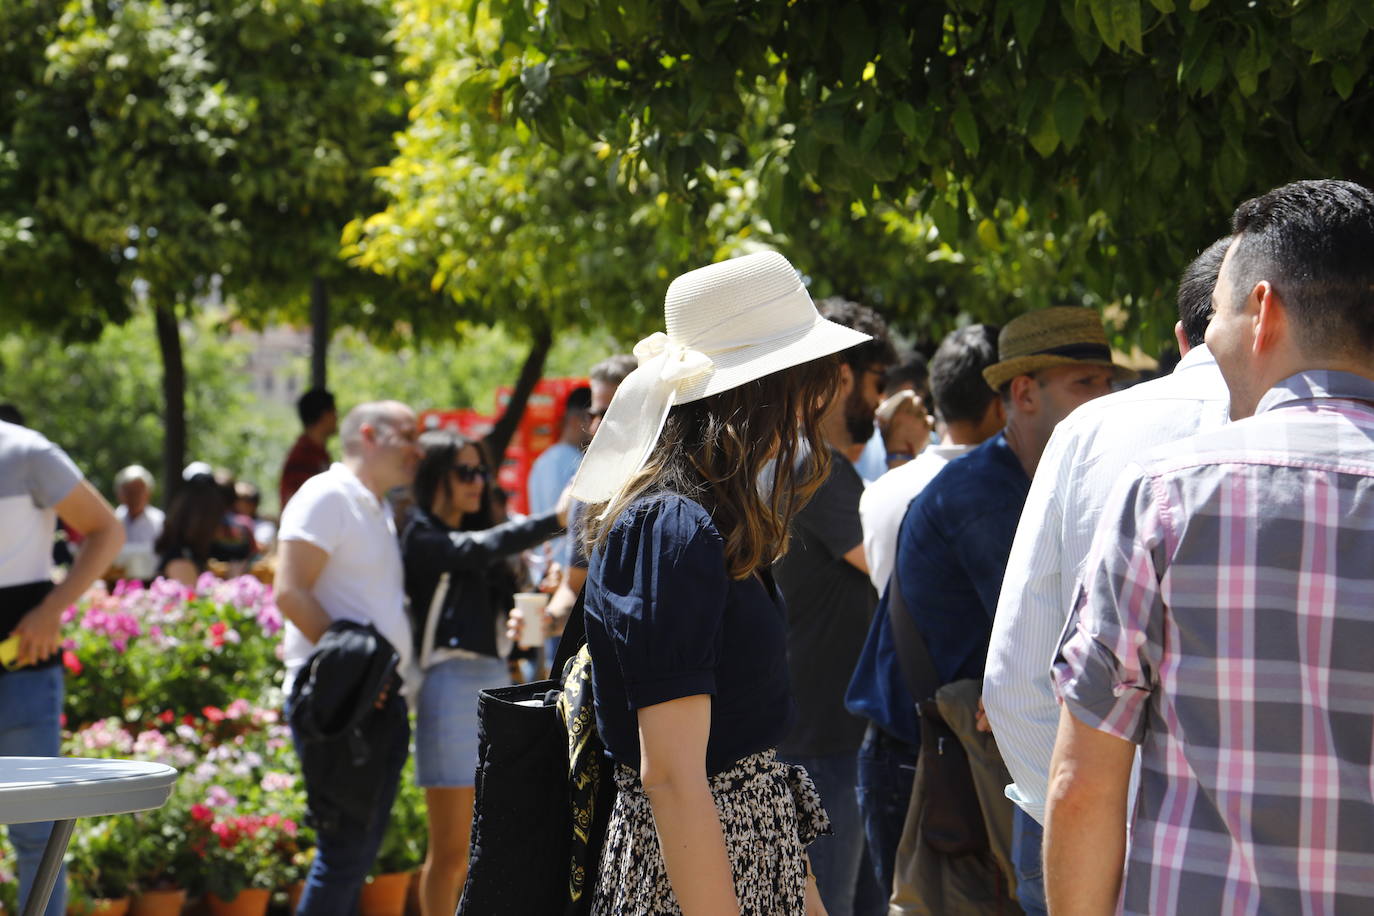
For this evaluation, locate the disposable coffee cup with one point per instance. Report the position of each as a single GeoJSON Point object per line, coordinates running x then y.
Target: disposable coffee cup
{"type": "Point", "coordinates": [531, 605]}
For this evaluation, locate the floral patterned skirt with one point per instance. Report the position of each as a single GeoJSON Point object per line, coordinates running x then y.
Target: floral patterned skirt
{"type": "Point", "coordinates": [769, 811]}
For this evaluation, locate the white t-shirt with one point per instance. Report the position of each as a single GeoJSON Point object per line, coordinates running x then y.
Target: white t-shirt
{"type": "Point", "coordinates": [363, 579]}
{"type": "Point", "coordinates": [144, 529]}
{"type": "Point", "coordinates": [885, 502]}
{"type": "Point", "coordinates": [35, 476]}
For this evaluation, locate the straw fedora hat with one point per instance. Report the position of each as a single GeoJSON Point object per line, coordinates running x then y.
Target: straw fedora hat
{"type": "Point", "coordinates": [1059, 336]}
{"type": "Point", "coordinates": [724, 325]}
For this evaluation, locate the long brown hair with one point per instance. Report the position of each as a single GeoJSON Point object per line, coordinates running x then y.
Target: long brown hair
{"type": "Point", "coordinates": [717, 449]}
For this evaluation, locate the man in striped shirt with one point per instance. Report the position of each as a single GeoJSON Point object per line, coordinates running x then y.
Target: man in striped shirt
{"type": "Point", "coordinates": [1224, 622]}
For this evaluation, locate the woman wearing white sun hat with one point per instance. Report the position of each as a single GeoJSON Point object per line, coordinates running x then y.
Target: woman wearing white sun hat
{"type": "Point", "coordinates": [686, 631]}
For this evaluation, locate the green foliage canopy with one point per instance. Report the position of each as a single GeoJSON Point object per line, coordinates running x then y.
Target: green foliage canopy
{"type": "Point", "coordinates": [148, 146]}
{"type": "Point", "coordinates": [1137, 125]}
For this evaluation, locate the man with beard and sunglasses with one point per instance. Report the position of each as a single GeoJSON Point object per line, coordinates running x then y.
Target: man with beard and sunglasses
{"type": "Point", "coordinates": [824, 579]}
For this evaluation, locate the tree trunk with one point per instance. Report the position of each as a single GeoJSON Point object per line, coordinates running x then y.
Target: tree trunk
{"type": "Point", "coordinates": [319, 333]}
{"type": "Point", "coordinates": [173, 399]}
{"type": "Point", "coordinates": [499, 438]}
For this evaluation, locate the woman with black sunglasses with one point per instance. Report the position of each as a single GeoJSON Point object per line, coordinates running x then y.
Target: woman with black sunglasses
{"type": "Point", "coordinates": [454, 577]}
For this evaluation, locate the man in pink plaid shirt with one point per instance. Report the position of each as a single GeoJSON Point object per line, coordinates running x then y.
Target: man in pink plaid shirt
{"type": "Point", "coordinates": [1225, 623]}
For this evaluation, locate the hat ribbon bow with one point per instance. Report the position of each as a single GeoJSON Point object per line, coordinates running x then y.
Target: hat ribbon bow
{"type": "Point", "coordinates": [636, 416]}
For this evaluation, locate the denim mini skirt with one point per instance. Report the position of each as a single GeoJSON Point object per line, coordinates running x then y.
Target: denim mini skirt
{"type": "Point", "coordinates": [446, 719]}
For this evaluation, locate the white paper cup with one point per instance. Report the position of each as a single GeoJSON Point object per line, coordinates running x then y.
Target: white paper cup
{"type": "Point", "coordinates": [531, 605]}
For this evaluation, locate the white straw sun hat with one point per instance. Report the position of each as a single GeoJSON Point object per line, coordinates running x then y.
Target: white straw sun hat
{"type": "Point", "coordinates": [726, 324]}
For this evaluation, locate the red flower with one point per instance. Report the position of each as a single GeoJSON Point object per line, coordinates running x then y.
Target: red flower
{"type": "Point", "coordinates": [188, 719]}
{"type": "Point", "coordinates": [201, 814]}
{"type": "Point", "coordinates": [72, 663]}
{"type": "Point", "coordinates": [213, 713]}
{"type": "Point", "coordinates": [167, 717]}
{"type": "Point", "coordinates": [218, 627]}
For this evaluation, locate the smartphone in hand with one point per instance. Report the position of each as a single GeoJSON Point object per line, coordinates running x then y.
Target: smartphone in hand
{"type": "Point", "coordinates": [9, 652]}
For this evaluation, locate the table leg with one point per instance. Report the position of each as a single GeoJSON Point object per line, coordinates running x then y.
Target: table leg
{"type": "Point", "coordinates": [48, 867]}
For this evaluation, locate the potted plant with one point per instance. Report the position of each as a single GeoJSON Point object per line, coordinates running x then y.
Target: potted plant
{"type": "Point", "coordinates": [402, 851]}
{"type": "Point", "coordinates": [100, 875]}
{"type": "Point", "coordinates": [245, 857]}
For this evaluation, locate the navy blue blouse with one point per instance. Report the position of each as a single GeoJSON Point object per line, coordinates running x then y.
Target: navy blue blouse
{"type": "Point", "coordinates": [665, 620]}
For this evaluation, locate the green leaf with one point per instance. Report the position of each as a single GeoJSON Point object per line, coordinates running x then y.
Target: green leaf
{"type": "Point", "coordinates": [1070, 111]}
{"type": "Point", "coordinates": [1164, 6]}
{"type": "Point", "coordinates": [966, 127]}
{"type": "Point", "coordinates": [1197, 5]}
{"type": "Point", "coordinates": [1045, 137]}
{"type": "Point", "coordinates": [1343, 79]}
{"type": "Point", "coordinates": [1126, 14]}
{"type": "Point", "coordinates": [1104, 18]}
{"type": "Point", "coordinates": [872, 132]}
{"type": "Point", "coordinates": [987, 234]}
{"type": "Point", "coordinates": [1246, 67]}
{"type": "Point", "coordinates": [1026, 15]}
{"type": "Point", "coordinates": [905, 116]}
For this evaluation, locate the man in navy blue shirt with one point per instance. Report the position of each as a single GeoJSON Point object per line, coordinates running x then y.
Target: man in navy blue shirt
{"type": "Point", "coordinates": [956, 536]}
{"type": "Point", "coordinates": [972, 413]}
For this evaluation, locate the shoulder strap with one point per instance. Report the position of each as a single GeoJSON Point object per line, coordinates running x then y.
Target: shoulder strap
{"type": "Point", "coordinates": [917, 668]}
{"type": "Point", "coordinates": [574, 637]}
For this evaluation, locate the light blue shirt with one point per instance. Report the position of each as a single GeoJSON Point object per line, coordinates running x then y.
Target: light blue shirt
{"type": "Point", "coordinates": [549, 477]}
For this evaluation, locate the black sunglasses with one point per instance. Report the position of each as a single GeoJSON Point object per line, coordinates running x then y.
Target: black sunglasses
{"type": "Point", "coordinates": [467, 473]}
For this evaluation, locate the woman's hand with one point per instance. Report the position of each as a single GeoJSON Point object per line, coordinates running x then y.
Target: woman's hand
{"type": "Point", "coordinates": [814, 906]}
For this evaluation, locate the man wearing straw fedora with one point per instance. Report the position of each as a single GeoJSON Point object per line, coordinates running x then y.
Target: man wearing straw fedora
{"type": "Point", "coordinates": [954, 542]}
{"type": "Point", "coordinates": [1087, 453]}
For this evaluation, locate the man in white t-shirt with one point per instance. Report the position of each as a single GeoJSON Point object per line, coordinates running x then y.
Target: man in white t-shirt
{"type": "Point", "coordinates": [339, 560]}
{"type": "Point", "coordinates": [141, 519]}
{"type": "Point", "coordinates": [38, 485]}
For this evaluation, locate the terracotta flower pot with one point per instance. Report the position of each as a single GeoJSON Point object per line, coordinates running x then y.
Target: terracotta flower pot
{"type": "Point", "coordinates": [251, 901]}
{"type": "Point", "coordinates": [385, 895]}
{"type": "Point", "coordinates": [101, 906]}
{"type": "Point", "coordinates": [159, 903]}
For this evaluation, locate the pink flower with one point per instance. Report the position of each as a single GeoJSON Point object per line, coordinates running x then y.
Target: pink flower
{"type": "Point", "coordinates": [213, 713]}
{"type": "Point", "coordinates": [219, 797]}
{"type": "Point", "coordinates": [71, 662]}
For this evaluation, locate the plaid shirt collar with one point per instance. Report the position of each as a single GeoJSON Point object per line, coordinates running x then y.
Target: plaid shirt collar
{"type": "Point", "coordinates": [1314, 385]}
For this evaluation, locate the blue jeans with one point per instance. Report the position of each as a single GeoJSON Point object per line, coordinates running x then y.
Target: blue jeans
{"type": "Point", "coordinates": [844, 874]}
{"type": "Point", "coordinates": [1026, 835]}
{"type": "Point", "coordinates": [343, 856]}
{"type": "Point", "coordinates": [30, 726]}
{"type": "Point", "coordinates": [887, 772]}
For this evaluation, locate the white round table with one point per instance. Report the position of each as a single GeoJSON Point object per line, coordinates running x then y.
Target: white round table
{"type": "Point", "coordinates": [61, 789]}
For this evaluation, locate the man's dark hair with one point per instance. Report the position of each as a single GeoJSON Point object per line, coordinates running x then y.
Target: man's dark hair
{"type": "Point", "coordinates": [613, 369]}
{"type": "Point", "coordinates": [11, 413]}
{"type": "Point", "coordinates": [956, 373]}
{"type": "Point", "coordinates": [876, 352]}
{"type": "Point", "coordinates": [1195, 290]}
{"type": "Point", "coordinates": [1313, 241]}
{"type": "Point", "coordinates": [579, 400]}
{"type": "Point", "coordinates": [912, 370]}
{"type": "Point", "coordinates": [314, 404]}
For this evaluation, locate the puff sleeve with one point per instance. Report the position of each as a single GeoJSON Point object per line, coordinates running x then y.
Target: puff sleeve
{"type": "Point", "coordinates": [663, 600]}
